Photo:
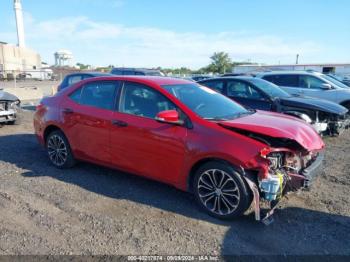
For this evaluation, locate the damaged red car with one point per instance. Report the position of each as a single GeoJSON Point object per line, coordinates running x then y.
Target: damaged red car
{"type": "Point", "coordinates": [183, 134]}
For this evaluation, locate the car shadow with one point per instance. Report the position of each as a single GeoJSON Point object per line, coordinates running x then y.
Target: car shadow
{"type": "Point", "coordinates": [295, 230]}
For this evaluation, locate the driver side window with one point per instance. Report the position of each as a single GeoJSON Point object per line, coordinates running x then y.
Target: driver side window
{"type": "Point", "coordinates": [310, 82]}
{"type": "Point", "coordinates": [242, 90]}
{"type": "Point", "coordinates": [140, 100]}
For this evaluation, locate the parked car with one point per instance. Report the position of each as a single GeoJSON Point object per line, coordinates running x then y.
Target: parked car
{"type": "Point", "coordinates": [184, 134]}
{"type": "Point", "coordinates": [76, 77]}
{"type": "Point", "coordinates": [9, 108]}
{"type": "Point", "coordinates": [344, 80]}
{"type": "Point", "coordinates": [326, 117]}
{"type": "Point", "coordinates": [197, 78]}
{"type": "Point", "coordinates": [135, 71]}
{"type": "Point", "coordinates": [308, 83]}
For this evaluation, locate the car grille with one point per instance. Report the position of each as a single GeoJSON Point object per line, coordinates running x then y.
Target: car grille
{"type": "Point", "coordinates": [3, 106]}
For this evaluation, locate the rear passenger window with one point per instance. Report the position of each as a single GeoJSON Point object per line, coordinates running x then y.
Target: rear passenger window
{"type": "Point", "coordinates": [283, 80]}
{"type": "Point", "coordinates": [217, 86]}
{"type": "Point", "coordinates": [96, 94]}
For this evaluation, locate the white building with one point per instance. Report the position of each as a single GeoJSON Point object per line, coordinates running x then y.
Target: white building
{"type": "Point", "coordinates": [338, 69]}
{"type": "Point", "coordinates": [16, 59]}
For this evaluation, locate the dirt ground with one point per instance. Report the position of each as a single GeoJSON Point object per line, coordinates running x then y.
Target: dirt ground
{"type": "Point", "coordinates": [93, 210]}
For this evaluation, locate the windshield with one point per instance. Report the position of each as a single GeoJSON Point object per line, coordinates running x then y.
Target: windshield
{"type": "Point", "coordinates": [269, 88]}
{"type": "Point", "coordinates": [206, 103]}
{"type": "Point", "coordinates": [334, 81]}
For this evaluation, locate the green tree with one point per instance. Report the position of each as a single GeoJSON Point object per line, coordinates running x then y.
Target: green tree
{"type": "Point", "coordinates": [220, 63]}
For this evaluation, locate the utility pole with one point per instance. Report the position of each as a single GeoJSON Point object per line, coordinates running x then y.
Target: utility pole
{"type": "Point", "coordinates": [297, 60]}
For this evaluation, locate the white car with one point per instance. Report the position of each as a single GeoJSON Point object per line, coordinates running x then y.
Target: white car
{"type": "Point", "coordinates": [309, 83]}
{"type": "Point", "coordinates": [9, 108]}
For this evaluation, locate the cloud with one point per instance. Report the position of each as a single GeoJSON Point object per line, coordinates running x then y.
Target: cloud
{"type": "Point", "coordinates": [102, 43]}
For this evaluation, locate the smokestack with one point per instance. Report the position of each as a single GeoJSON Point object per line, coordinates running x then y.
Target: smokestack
{"type": "Point", "coordinates": [19, 22]}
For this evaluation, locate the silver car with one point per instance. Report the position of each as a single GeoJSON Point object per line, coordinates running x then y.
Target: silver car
{"type": "Point", "coordinates": [9, 108]}
{"type": "Point", "coordinates": [309, 83]}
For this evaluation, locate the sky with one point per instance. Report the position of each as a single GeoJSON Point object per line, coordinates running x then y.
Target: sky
{"type": "Point", "coordinates": [175, 33]}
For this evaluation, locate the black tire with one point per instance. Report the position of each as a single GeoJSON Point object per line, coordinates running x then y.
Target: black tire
{"type": "Point", "coordinates": [234, 196]}
{"type": "Point", "coordinates": [15, 122]}
{"type": "Point", "coordinates": [67, 160]}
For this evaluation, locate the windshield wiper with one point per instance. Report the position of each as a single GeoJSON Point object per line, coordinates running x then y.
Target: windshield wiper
{"type": "Point", "coordinates": [215, 119]}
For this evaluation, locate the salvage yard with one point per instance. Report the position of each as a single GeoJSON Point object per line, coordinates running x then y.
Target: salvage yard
{"type": "Point", "coordinates": [95, 210]}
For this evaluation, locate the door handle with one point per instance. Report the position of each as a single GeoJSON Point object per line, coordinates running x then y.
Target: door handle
{"type": "Point", "coordinates": [119, 123]}
{"type": "Point", "coordinates": [68, 111]}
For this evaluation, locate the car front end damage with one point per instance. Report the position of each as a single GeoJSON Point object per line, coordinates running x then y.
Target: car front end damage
{"type": "Point", "coordinates": [327, 118]}
{"type": "Point", "coordinates": [281, 170]}
{"type": "Point", "coordinates": [9, 108]}
{"type": "Point", "coordinates": [288, 157]}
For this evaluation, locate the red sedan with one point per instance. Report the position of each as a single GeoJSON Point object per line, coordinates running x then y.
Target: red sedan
{"type": "Point", "coordinates": [184, 134]}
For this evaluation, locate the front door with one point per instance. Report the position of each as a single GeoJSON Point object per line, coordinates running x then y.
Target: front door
{"type": "Point", "coordinates": [139, 143]}
{"type": "Point", "coordinates": [247, 95]}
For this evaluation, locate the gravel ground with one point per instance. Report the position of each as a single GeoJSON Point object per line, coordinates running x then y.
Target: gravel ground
{"type": "Point", "coordinates": [94, 210]}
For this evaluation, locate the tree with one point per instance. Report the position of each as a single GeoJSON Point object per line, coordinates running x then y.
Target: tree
{"type": "Point", "coordinates": [221, 63]}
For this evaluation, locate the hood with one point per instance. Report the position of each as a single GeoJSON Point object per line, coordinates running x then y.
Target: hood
{"type": "Point", "coordinates": [278, 126]}
{"type": "Point", "coordinates": [7, 96]}
{"type": "Point", "coordinates": [315, 104]}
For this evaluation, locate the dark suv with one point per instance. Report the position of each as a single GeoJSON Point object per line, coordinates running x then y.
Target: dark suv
{"type": "Point", "coordinates": [136, 71]}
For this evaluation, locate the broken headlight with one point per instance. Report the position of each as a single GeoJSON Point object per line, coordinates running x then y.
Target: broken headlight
{"type": "Point", "coordinates": [14, 105]}
{"type": "Point", "coordinates": [276, 160]}
{"type": "Point", "coordinates": [294, 162]}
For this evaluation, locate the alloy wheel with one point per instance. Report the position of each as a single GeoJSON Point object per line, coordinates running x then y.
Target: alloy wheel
{"type": "Point", "coordinates": [218, 192]}
{"type": "Point", "coordinates": [57, 150]}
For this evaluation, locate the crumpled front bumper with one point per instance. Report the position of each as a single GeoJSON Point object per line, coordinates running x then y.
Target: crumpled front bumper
{"type": "Point", "coordinates": [297, 181]}
{"type": "Point", "coordinates": [339, 126]}
{"type": "Point", "coordinates": [8, 116]}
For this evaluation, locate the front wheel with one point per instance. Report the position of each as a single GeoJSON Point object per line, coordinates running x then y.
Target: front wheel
{"type": "Point", "coordinates": [220, 190]}
{"type": "Point", "coordinates": [59, 151]}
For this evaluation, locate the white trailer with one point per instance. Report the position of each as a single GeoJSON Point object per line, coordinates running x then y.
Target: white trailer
{"type": "Point", "coordinates": [42, 74]}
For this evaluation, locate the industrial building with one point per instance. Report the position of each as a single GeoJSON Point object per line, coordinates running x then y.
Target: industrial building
{"type": "Point", "coordinates": [17, 59]}
{"type": "Point", "coordinates": [338, 69]}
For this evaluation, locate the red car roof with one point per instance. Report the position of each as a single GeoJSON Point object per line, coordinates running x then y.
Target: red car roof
{"type": "Point", "coordinates": [147, 79]}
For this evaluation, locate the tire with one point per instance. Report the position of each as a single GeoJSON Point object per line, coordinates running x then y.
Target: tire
{"type": "Point", "coordinates": [221, 191]}
{"type": "Point", "coordinates": [59, 150]}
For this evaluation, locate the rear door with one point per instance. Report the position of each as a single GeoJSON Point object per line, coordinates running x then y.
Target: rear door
{"type": "Point", "coordinates": [140, 144]}
{"type": "Point", "coordinates": [247, 95]}
{"type": "Point", "coordinates": [87, 115]}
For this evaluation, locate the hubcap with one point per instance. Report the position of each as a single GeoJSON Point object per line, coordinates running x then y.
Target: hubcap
{"type": "Point", "coordinates": [57, 150]}
{"type": "Point", "coordinates": [218, 192]}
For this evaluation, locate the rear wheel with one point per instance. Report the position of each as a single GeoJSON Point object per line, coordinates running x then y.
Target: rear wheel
{"type": "Point", "coordinates": [220, 190]}
{"type": "Point", "coordinates": [59, 151]}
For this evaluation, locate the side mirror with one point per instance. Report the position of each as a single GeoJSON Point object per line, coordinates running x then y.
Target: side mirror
{"type": "Point", "coordinates": [169, 117]}
{"type": "Point", "coordinates": [326, 86]}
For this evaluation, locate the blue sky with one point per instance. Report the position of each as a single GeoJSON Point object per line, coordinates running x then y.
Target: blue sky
{"type": "Point", "coordinates": [183, 33]}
